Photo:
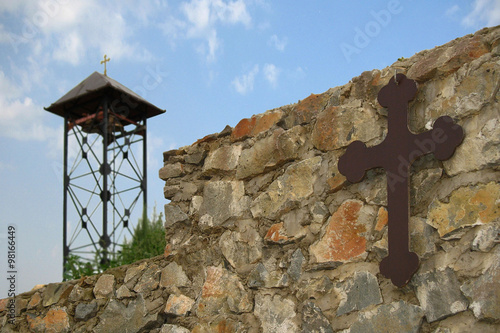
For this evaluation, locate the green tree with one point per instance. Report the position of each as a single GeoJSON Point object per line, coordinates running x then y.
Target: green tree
{"type": "Point", "coordinates": [148, 240]}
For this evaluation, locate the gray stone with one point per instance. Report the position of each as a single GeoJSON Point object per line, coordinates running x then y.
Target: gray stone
{"type": "Point", "coordinates": [294, 220]}
{"type": "Point", "coordinates": [422, 182]}
{"type": "Point", "coordinates": [173, 276]}
{"type": "Point", "coordinates": [169, 328]}
{"type": "Point", "coordinates": [53, 293]}
{"type": "Point", "coordinates": [173, 214]}
{"type": "Point", "coordinates": [319, 212]}
{"type": "Point", "coordinates": [133, 274]}
{"type": "Point", "coordinates": [270, 152]}
{"type": "Point", "coordinates": [171, 171]}
{"type": "Point", "coordinates": [134, 317]}
{"type": "Point", "coordinates": [85, 311]}
{"type": "Point", "coordinates": [481, 145]}
{"type": "Point", "coordinates": [242, 248]}
{"type": "Point", "coordinates": [183, 192]}
{"type": "Point", "coordinates": [149, 280]}
{"type": "Point", "coordinates": [105, 286]}
{"type": "Point", "coordinates": [222, 200]}
{"type": "Point", "coordinates": [313, 320]}
{"type": "Point", "coordinates": [484, 292]}
{"type": "Point", "coordinates": [486, 237]}
{"type": "Point", "coordinates": [169, 191]}
{"type": "Point", "coordinates": [359, 292]}
{"type": "Point", "coordinates": [261, 276]}
{"type": "Point", "coordinates": [439, 294]}
{"type": "Point", "coordinates": [222, 293]}
{"type": "Point", "coordinates": [196, 157]}
{"type": "Point", "coordinates": [288, 191]}
{"type": "Point", "coordinates": [276, 314]}
{"type": "Point", "coordinates": [398, 317]}
{"type": "Point", "coordinates": [223, 159]}
{"type": "Point", "coordinates": [296, 261]}
{"type": "Point", "coordinates": [123, 292]}
{"type": "Point", "coordinates": [178, 305]}
{"type": "Point", "coordinates": [423, 237]}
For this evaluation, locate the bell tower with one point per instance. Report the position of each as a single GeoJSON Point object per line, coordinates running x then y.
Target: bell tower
{"type": "Point", "coordinates": [105, 165]}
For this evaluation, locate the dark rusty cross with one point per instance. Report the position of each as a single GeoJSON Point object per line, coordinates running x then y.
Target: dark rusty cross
{"type": "Point", "coordinates": [396, 154]}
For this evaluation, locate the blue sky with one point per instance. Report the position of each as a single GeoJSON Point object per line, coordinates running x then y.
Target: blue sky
{"type": "Point", "coordinates": [209, 63]}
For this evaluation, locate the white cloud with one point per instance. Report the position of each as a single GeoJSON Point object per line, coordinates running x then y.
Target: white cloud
{"type": "Point", "coordinates": [271, 73]}
{"type": "Point", "coordinates": [278, 44]}
{"type": "Point", "coordinates": [450, 12]}
{"type": "Point", "coordinates": [73, 29]}
{"type": "Point", "coordinates": [484, 12]}
{"type": "Point", "coordinates": [244, 83]}
{"type": "Point", "coordinates": [202, 19]}
{"type": "Point", "coordinates": [22, 119]}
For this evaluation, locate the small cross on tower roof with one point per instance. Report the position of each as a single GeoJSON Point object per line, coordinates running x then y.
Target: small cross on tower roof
{"type": "Point", "coordinates": [104, 62]}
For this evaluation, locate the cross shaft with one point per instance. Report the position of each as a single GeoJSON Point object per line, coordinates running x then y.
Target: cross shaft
{"type": "Point", "coordinates": [395, 155]}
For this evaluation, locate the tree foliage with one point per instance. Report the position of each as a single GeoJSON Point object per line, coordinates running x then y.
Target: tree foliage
{"type": "Point", "coordinates": [148, 240]}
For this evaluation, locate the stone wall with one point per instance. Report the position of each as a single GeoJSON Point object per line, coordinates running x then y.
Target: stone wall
{"type": "Point", "coordinates": [265, 235]}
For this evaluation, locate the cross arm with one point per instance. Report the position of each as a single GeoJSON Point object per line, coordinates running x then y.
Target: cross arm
{"type": "Point", "coordinates": [359, 158]}
{"type": "Point", "coordinates": [442, 140]}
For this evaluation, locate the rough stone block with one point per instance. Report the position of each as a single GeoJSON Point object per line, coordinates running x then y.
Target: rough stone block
{"type": "Point", "coordinates": [484, 292]}
{"type": "Point", "coordinates": [313, 320]}
{"type": "Point", "coordinates": [222, 200]}
{"type": "Point", "coordinates": [132, 318]}
{"type": "Point", "coordinates": [398, 317]}
{"type": "Point", "coordinates": [171, 171]}
{"type": "Point", "coordinates": [276, 314]}
{"type": "Point", "coordinates": [344, 238]}
{"type": "Point", "coordinates": [105, 286]}
{"type": "Point", "coordinates": [358, 293]}
{"type": "Point", "coordinates": [173, 276]}
{"type": "Point", "coordinates": [178, 305]}
{"type": "Point", "coordinates": [173, 215]}
{"type": "Point", "coordinates": [242, 248]}
{"type": "Point", "coordinates": [222, 293]}
{"type": "Point", "coordinates": [288, 191]}
{"type": "Point", "coordinates": [223, 159]}
{"type": "Point", "coordinates": [467, 206]}
{"type": "Point", "coordinates": [439, 294]}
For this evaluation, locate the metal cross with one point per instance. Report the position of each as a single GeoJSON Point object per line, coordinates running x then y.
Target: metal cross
{"type": "Point", "coordinates": [395, 154]}
{"type": "Point", "coordinates": [104, 62]}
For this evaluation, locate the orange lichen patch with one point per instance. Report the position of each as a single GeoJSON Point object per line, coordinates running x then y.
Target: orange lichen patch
{"type": "Point", "coordinates": [255, 125]}
{"type": "Point", "coordinates": [207, 138]}
{"type": "Point", "coordinates": [35, 300]}
{"type": "Point", "coordinates": [313, 103]}
{"type": "Point", "coordinates": [3, 304]}
{"type": "Point", "coordinates": [382, 218]}
{"type": "Point", "coordinates": [336, 182]}
{"type": "Point", "coordinates": [168, 250]}
{"type": "Point", "coordinates": [325, 136]}
{"type": "Point", "coordinates": [484, 199]}
{"type": "Point", "coordinates": [178, 305]}
{"type": "Point", "coordinates": [213, 286]}
{"type": "Point", "coordinates": [342, 240]}
{"type": "Point", "coordinates": [243, 129]}
{"type": "Point", "coordinates": [56, 320]}
{"type": "Point", "coordinates": [277, 233]}
{"type": "Point", "coordinates": [467, 206]}
{"type": "Point", "coordinates": [266, 121]}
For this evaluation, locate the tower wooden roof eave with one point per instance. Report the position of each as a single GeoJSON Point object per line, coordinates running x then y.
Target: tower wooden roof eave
{"type": "Point", "coordinates": [87, 96]}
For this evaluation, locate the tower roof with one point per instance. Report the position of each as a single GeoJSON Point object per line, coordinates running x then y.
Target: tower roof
{"type": "Point", "coordinates": [87, 96]}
